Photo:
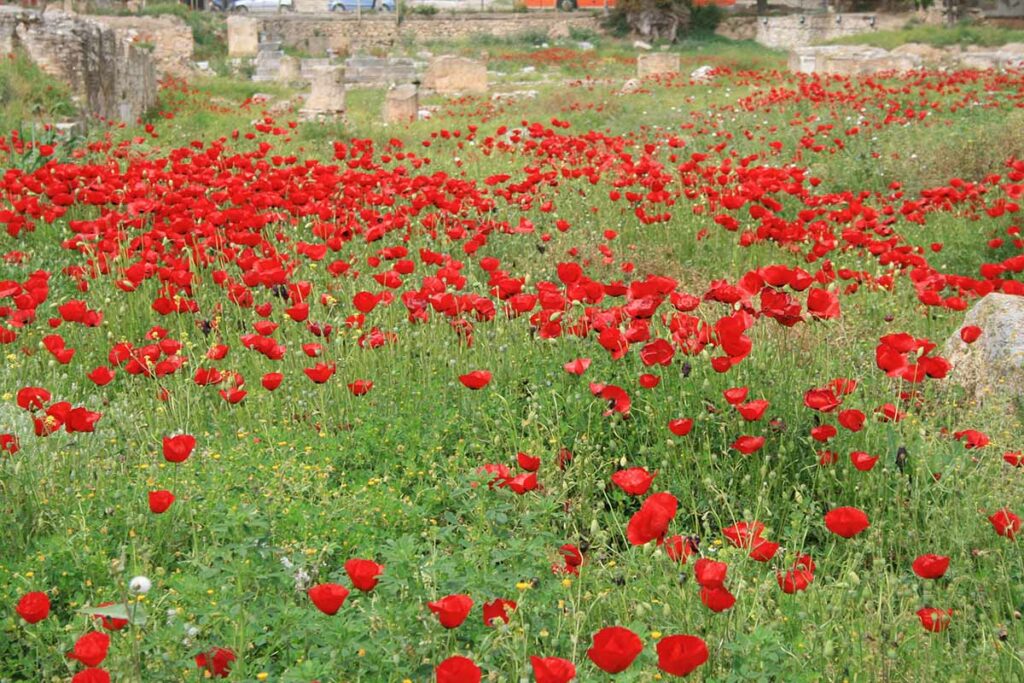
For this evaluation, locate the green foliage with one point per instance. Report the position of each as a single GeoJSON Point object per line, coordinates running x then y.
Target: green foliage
{"type": "Point", "coordinates": [29, 94]}
{"type": "Point", "coordinates": [704, 19]}
{"type": "Point", "coordinates": [962, 34]}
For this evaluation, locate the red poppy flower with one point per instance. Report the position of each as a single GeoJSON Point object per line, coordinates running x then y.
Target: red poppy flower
{"type": "Point", "coordinates": [9, 444]}
{"type": "Point", "coordinates": [577, 367]}
{"type": "Point", "coordinates": [799, 577]}
{"type": "Point", "coordinates": [736, 395]}
{"type": "Point", "coordinates": [364, 574]}
{"type": "Point", "coordinates": [160, 500]}
{"type": "Point", "coordinates": [744, 534]}
{"type": "Point", "coordinates": [1005, 523]}
{"type": "Point", "coordinates": [931, 566]}
{"type": "Point", "coordinates": [823, 433]}
{"type": "Point", "coordinates": [846, 521]}
{"type": "Point", "coordinates": [851, 419]}
{"type": "Point", "coordinates": [91, 676]}
{"type": "Point", "coordinates": [680, 426]}
{"type": "Point", "coordinates": [478, 379]}
{"type": "Point", "coordinates": [823, 400]}
{"type": "Point", "coordinates": [614, 649]}
{"type": "Point", "coordinates": [680, 655]}
{"type": "Point", "coordinates": [972, 438]}
{"type": "Point", "coordinates": [360, 387]}
{"type": "Point", "coordinates": [709, 573]}
{"type": "Point", "coordinates": [33, 607]}
{"type": "Point", "coordinates": [528, 462]}
{"type": "Point", "coordinates": [617, 398]}
{"type": "Point", "coordinates": [101, 376]}
{"type": "Point", "coordinates": [651, 521]}
{"type": "Point", "coordinates": [91, 649]}
{"type": "Point", "coordinates": [648, 381]}
{"type": "Point", "coordinates": [272, 380]}
{"type": "Point", "coordinates": [498, 609]}
{"type": "Point", "coordinates": [1015, 458]}
{"type": "Point", "coordinates": [748, 444]}
{"type": "Point", "coordinates": [572, 556]}
{"type": "Point", "coordinates": [217, 662]}
{"type": "Point", "coordinates": [863, 461]}
{"type": "Point", "coordinates": [552, 669]}
{"type": "Point", "coordinates": [110, 623]}
{"type": "Point", "coordinates": [328, 597]}
{"type": "Point", "coordinates": [934, 620]}
{"type": "Point", "coordinates": [33, 398]}
{"type": "Point", "coordinates": [458, 670]}
{"type": "Point", "coordinates": [754, 410]}
{"type": "Point", "coordinates": [635, 481]}
{"type": "Point", "coordinates": [178, 448]}
{"type": "Point", "coordinates": [763, 550]}
{"type": "Point", "coordinates": [679, 548]}
{"type": "Point", "coordinates": [320, 373]}
{"type": "Point", "coordinates": [452, 610]}
{"type": "Point", "coordinates": [717, 599]}
{"type": "Point", "coordinates": [970, 333]}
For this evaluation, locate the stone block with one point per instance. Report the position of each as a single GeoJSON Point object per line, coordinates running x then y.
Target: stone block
{"type": "Point", "coordinates": [449, 74]}
{"type": "Point", "coordinates": [655, 63]}
{"type": "Point", "coordinates": [401, 104]}
{"type": "Point", "coordinates": [327, 94]}
{"type": "Point", "coordinates": [243, 36]}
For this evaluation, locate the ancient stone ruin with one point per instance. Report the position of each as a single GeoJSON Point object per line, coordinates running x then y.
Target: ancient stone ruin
{"type": "Point", "coordinates": [401, 104]}
{"type": "Point", "coordinates": [326, 99]}
{"type": "Point", "coordinates": [854, 60]}
{"type": "Point", "coordinates": [170, 37]}
{"type": "Point", "coordinates": [108, 76]}
{"type": "Point", "coordinates": [448, 74]}
{"type": "Point", "coordinates": [653, 63]}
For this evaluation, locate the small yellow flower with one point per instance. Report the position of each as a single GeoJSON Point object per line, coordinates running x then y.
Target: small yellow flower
{"type": "Point", "coordinates": [523, 585]}
{"type": "Point", "coordinates": [655, 634]}
{"type": "Point", "coordinates": [362, 652]}
{"type": "Point", "coordinates": [262, 676]}
{"type": "Point", "coordinates": [566, 583]}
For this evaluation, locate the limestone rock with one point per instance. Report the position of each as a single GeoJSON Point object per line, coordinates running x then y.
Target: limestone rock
{"type": "Point", "coordinates": [327, 95]}
{"type": "Point", "coordinates": [243, 36]}
{"type": "Point", "coordinates": [641, 45]}
{"type": "Point", "coordinates": [108, 76]}
{"type": "Point", "coordinates": [657, 63]}
{"type": "Point", "coordinates": [558, 31]}
{"type": "Point", "coordinates": [629, 87]}
{"type": "Point", "coordinates": [401, 104]}
{"type": "Point", "coordinates": [926, 53]}
{"type": "Point", "coordinates": [450, 74]}
{"type": "Point", "coordinates": [993, 366]}
{"type": "Point", "coordinates": [702, 74]}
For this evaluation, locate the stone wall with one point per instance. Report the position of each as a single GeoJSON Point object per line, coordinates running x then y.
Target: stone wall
{"type": "Point", "coordinates": [800, 30]}
{"type": "Point", "coordinates": [108, 76]}
{"type": "Point", "coordinates": [169, 37]}
{"type": "Point", "coordinates": [316, 34]}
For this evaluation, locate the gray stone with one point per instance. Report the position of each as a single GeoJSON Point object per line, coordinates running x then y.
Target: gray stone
{"type": "Point", "coordinates": [993, 366]}
{"type": "Point", "coordinates": [377, 71]}
{"type": "Point", "coordinates": [641, 45]}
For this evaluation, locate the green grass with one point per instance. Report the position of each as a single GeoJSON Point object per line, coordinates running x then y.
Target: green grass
{"type": "Point", "coordinates": [28, 95]}
{"type": "Point", "coordinates": [936, 36]}
{"type": "Point", "coordinates": [285, 486]}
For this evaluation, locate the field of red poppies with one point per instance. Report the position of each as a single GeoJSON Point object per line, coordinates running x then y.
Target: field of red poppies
{"type": "Point", "coordinates": [645, 385]}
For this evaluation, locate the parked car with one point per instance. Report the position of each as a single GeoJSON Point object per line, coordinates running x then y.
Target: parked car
{"type": "Point", "coordinates": [362, 5]}
{"type": "Point", "coordinates": [261, 6]}
{"type": "Point", "coordinates": [570, 5]}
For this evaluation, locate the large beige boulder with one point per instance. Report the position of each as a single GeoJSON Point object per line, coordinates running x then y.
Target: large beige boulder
{"type": "Point", "coordinates": [449, 74]}
{"type": "Point", "coordinates": [992, 367]}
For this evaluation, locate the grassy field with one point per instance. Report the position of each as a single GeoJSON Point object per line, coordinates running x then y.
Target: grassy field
{"type": "Point", "coordinates": [445, 347]}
